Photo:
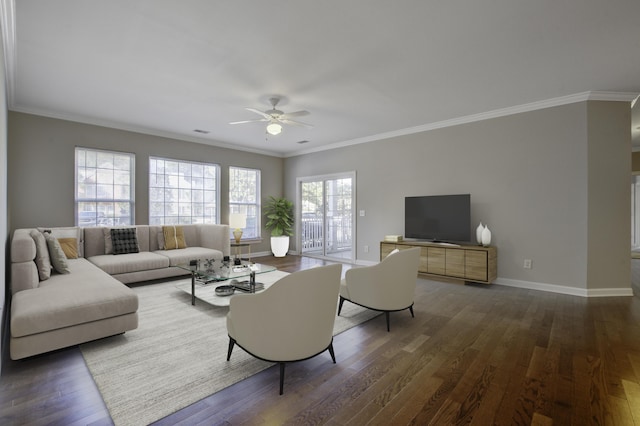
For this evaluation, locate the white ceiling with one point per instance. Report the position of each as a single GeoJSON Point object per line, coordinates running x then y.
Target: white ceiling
{"type": "Point", "coordinates": [362, 68]}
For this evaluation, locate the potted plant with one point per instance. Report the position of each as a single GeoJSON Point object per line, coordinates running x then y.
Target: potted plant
{"type": "Point", "coordinates": [279, 214]}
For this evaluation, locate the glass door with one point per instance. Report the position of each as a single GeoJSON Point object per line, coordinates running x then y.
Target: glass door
{"type": "Point", "coordinates": [325, 208]}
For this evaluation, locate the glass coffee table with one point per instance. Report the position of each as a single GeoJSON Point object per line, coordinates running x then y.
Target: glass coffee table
{"type": "Point", "coordinates": [213, 277]}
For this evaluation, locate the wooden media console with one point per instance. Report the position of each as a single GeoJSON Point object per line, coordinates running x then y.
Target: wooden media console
{"type": "Point", "coordinates": [463, 262]}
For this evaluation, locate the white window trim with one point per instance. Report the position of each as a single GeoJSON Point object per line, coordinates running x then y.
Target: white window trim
{"type": "Point", "coordinates": [257, 204]}
{"type": "Point", "coordinates": [132, 194]}
{"type": "Point", "coordinates": [216, 219]}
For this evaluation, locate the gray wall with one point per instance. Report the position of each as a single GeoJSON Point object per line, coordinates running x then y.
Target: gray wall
{"type": "Point", "coordinates": [609, 195]}
{"type": "Point", "coordinates": [530, 176]}
{"type": "Point", "coordinates": [552, 184]}
{"type": "Point", "coordinates": [41, 168]}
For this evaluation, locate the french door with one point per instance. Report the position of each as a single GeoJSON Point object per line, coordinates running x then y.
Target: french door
{"type": "Point", "coordinates": [326, 222]}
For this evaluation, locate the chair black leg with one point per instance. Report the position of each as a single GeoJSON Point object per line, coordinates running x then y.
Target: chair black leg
{"type": "Point", "coordinates": [281, 378]}
{"type": "Point", "coordinates": [411, 309]}
{"type": "Point", "coordinates": [333, 355]}
{"type": "Point", "coordinates": [387, 315]}
{"type": "Point", "coordinates": [231, 343]}
{"type": "Point", "coordinates": [342, 299]}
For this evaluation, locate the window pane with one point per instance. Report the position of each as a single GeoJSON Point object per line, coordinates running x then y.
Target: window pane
{"type": "Point", "coordinates": [179, 193]}
{"type": "Point", "coordinates": [104, 188]}
{"type": "Point", "coordinates": [156, 194]}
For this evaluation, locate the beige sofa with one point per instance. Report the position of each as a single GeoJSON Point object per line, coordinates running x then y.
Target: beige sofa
{"type": "Point", "coordinates": [203, 242]}
{"type": "Point", "coordinates": [91, 302]}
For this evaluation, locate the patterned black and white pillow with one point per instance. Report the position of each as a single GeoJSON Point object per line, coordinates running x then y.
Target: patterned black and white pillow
{"type": "Point", "coordinates": [124, 240]}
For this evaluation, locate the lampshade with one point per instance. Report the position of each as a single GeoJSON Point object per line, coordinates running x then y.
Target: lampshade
{"type": "Point", "coordinates": [274, 128]}
{"type": "Point", "coordinates": [237, 220]}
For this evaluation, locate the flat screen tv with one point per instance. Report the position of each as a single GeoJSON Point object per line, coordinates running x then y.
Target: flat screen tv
{"type": "Point", "coordinates": [445, 218]}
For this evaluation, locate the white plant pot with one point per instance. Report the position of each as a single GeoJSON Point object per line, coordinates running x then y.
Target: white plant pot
{"type": "Point", "coordinates": [280, 245]}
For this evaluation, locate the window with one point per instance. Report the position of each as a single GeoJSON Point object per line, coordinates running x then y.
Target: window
{"type": "Point", "coordinates": [244, 197]}
{"type": "Point", "coordinates": [104, 185]}
{"type": "Point", "coordinates": [182, 192]}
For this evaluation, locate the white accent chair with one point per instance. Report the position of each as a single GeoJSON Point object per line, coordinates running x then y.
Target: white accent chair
{"type": "Point", "coordinates": [290, 321]}
{"type": "Point", "coordinates": [388, 286]}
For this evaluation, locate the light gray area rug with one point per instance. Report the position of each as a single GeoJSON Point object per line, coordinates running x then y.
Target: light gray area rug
{"type": "Point", "coordinates": [176, 356]}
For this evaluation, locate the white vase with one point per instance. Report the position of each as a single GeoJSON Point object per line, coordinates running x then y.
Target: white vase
{"type": "Point", "coordinates": [280, 245]}
{"type": "Point", "coordinates": [479, 230]}
{"type": "Point", "coordinates": [486, 236]}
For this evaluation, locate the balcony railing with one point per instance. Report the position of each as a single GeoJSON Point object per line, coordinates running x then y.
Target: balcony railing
{"type": "Point", "coordinates": [339, 235]}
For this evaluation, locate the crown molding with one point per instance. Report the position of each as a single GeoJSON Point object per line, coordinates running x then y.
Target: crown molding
{"type": "Point", "coordinates": [140, 129]}
{"type": "Point", "coordinates": [7, 19]}
{"type": "Point", "coordinates": [8, 28]}
{"type": "Point", "coordinates": [533, 106]}
{"type": "Point", "coordinates": [502, 112]}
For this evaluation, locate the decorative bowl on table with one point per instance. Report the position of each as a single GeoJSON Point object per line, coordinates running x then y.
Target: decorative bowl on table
{"type": "Point", "coordinates": [225, 290]}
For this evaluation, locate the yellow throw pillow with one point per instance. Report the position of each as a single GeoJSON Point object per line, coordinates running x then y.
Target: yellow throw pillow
{"type": "Point", "coordinates": [69, 247]}
{"type": "Point", "coordinates": [173, 237]}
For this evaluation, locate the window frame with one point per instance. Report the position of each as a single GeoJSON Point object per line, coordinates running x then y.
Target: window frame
{"type": "Point", "coordinates": [184, 164]}
{"type": "Point", "coordinates": [104, 220]}
{"type": "Point", "coordinates": [237, 206]}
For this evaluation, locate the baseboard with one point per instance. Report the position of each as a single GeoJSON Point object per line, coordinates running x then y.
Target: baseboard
{"type": "Point", "coordinates": [530, 285]}
{"type": "Point", "coordinates": [573, 291]}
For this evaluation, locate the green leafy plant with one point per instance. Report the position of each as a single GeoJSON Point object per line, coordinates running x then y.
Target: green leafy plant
{"type": "Point", "coordinates": [279, 214]}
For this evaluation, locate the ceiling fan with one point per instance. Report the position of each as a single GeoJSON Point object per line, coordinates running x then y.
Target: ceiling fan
{"type": "Point", "coordinates": [275, 117]}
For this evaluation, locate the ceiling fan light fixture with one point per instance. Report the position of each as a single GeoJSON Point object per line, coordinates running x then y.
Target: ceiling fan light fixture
{"type": "Point", "coordinates": [274, 129]}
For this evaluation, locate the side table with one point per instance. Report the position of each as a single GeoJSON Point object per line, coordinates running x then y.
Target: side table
{"type": "Point", "coordinates": [238, 254]}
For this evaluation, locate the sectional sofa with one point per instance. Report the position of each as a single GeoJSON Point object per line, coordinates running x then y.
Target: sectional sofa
{"type": "Point", "coordinates": [91, 301]}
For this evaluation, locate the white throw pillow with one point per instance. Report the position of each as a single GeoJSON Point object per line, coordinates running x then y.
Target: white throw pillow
{"type": "Point", "coordinates": [108, 243]}
{"type": "Point", "coordinates": [43, 261]}
{"type": "Point", "coordinates": [58, 258]}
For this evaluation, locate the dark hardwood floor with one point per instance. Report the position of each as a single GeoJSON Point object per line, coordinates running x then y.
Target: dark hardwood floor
{"type": "Point", "coordinates": [473, 354]}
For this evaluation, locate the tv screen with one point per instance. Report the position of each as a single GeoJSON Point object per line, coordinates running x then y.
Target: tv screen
{"type": "Point", "coordinates": [438, 217]}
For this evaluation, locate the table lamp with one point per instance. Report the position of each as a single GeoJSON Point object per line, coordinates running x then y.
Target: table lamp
{"type": "Point", "coordinates": [237, 221]}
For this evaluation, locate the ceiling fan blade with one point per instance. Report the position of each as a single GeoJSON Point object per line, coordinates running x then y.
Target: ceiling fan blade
{"type": "Point", "coordinates": [249, 121]}
{"type": "Point", "coordinates": [295, 123]}
{"type": "Point", "coordinates": [257, 111]}
{"type": "Point", "coordinates": [294, 114]}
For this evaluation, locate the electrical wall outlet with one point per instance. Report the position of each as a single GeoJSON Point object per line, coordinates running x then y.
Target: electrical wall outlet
{"type": "Point", "coordinates": [366, 249]}
{"type": "Point", "coordinates": [527, 264]}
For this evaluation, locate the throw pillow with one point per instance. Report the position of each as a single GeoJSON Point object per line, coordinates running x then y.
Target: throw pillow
{"type": "Point", "coordinates": [43, 262]}
{"type": "Point", "coordinates": [108, 244]}
{"type": "Point", "coordinates": [125, 240]}
{"type": "Point", "coordinates": [173, 237]}
{"type": "Point", "coordinates": [69, 247]}
{"type": "Point", "coordinates": [58, 259]}
{"type": "Point", "coordinates": [160, 240]}
{"type": "Point", "coordinates": [67, 232]}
